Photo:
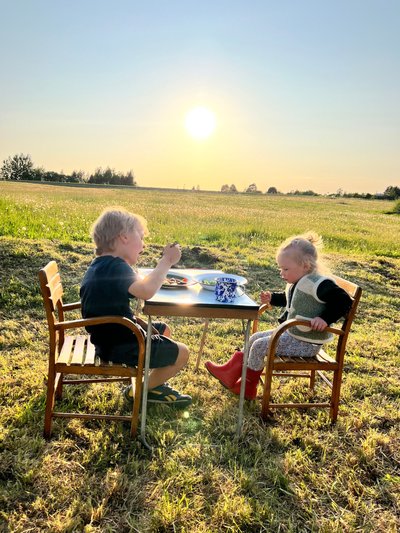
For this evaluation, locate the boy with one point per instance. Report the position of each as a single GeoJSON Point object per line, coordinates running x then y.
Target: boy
{"type": "Point", "coordinates": [107, 288]}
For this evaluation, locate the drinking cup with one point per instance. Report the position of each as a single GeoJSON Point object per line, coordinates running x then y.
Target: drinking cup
{"type": "Point", "coordinates": [225, 289]}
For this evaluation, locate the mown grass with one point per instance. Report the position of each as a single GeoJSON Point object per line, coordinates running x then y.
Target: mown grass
{"type": "Point", "coordinates": [296, 473]}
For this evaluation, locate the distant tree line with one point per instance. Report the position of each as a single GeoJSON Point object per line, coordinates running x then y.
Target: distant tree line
{"type": "Point", "coordinates": [390, 193]}
{"type": "Point", "coordinates": [20, 167]}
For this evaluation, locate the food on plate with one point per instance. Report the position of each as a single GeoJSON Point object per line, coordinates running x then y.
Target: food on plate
{"type": "Point", "coordinates": [209, 282]}
{"type": "Point", "coordinates": [173, 282]}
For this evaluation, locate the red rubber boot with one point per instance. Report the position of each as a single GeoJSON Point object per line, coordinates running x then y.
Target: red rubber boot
{"type": "Point", "coordinates": [229, 372]}
{"type": "Point", "coordinates": [252, 379]}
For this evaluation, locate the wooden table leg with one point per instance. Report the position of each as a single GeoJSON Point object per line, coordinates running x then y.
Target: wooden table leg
{"type": "Point", "coordinates": [203, 340]}
{"type": "Point", "coordinates": [146, 385]}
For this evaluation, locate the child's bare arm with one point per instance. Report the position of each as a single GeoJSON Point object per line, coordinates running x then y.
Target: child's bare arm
{"type": "Point", "coordinates": [146, 287]}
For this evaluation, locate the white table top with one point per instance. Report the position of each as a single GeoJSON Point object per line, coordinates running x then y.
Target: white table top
{"type": "Point", "coordinates": [193, 300]}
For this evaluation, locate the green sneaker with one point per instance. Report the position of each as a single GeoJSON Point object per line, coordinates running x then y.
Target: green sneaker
{"type": "Point", "coordinates": [164, 394]}
{"type": "Point", "coordinates": [128, 393]}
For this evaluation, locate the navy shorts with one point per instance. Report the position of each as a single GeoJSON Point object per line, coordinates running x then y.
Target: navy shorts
{"type": "Point", "coordinates": [164, 351]}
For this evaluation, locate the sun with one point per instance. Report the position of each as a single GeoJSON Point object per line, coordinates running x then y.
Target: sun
{"type": "Point", "coordinates": [200, 122]}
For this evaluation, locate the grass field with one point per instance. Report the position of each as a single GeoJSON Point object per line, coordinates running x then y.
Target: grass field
{"type": "Point", "coordinates": [294, 474]}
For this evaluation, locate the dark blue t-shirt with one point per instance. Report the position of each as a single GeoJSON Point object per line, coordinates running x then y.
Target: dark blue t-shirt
{"type": "Point", "coordinates": [104, 291]}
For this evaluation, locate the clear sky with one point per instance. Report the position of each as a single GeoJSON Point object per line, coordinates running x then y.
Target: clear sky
{"type": "Point", "coordinates": [305, 93]}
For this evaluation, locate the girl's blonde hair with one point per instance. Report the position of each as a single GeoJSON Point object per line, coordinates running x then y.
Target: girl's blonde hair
{"type": "Point", "coordinates": [112, 223]}
{"type": "Point", "coordinates": [304, 249]}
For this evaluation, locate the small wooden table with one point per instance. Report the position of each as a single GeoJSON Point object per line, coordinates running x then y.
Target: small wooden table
{"type": "Point", "coordinates": [194, 301]}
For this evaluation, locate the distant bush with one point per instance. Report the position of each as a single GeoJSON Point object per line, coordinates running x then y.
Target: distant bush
{"type": "Point", "coordinates": [58, 177]}
{"type": "Point", "coordinates": [303, 193]}
{"type": "Point", "coordinates": [19, 167]}
{"type": "Point", "coordinates": [396, 208]}
{"type": "Point", "coordinates": [252, 189]}
{"type": "Point", "coordinates": [110, 177]}
{"type": "Point", "coordinates": [226, 188]}
{"type": "Point", "coordinates": [392, 193]}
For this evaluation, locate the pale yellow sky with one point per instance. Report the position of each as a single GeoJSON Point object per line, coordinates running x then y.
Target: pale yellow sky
{"type": "Point", "coordinates": [305, 96]}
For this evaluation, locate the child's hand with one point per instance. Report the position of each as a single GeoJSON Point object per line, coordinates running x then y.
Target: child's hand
{"type": "Point", "coordinates": [146, 287]}
{"type": "Point", "coordinates": [265, 297]}
{"type": "Point", "coordinates": [172, 253]}
{"type": "Point", "coordinates": [318, 323]}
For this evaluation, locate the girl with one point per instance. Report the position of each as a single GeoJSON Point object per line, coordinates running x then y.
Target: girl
{"type": "Point", "coordinates": [309, 296]}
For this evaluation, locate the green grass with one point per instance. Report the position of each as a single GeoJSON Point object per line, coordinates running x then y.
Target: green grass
{"type": "Point", "coordinates": [210, 219]}
{"type": "Point", "coordinates": [295, 474]}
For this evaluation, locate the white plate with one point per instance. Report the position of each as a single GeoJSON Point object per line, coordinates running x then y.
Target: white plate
{"type": "Point", "coordinates": [212, 277]}
{"type": "Point", "coordinates": [177, 281]}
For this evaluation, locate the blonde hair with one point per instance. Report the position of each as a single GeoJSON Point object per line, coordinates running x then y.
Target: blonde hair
{"type": "Point", "coordinates": [111, 224]}
{"type": "Point", "coordinates": [304, 249]}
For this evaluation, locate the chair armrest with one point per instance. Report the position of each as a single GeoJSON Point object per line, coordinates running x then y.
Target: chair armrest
{"type": "Point", "coordinates": [289, 324]}
{"type": "Point", "coordinates": [73, 305]}
{"type": "Point", "coordinates": [83, 322]}
{"type": "Point", "coordinates": [263, 308]}
{"type": "Point", "coordinates": [295, 322]}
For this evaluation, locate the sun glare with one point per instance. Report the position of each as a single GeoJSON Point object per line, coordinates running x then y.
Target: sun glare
{"type": "Point", "coordinates": [200, 122]}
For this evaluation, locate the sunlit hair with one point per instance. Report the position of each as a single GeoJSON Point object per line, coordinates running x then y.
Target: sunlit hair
{"type": "Point", "coordinates": [304, 250]}
{"type": "Point", "coordinates": [112, 223]}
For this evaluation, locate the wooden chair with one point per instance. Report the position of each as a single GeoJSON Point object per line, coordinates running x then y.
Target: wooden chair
{"type": "Point", "coordinates": [75, 354]}
{"type": "Point", "coordinates": [309, 367]}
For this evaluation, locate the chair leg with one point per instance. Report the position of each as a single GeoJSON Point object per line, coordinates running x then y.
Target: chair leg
{"type": "Point", "coordinates": [312, 379]}
{"type": "Point", "coordinates": [50, 398]}
{"type": "Point", "coordinates": [265, 412]}
{"type": "Point", "coordinates": [137, 384]}
{"type": "Point", "coordinates": [336, 385]}
{"type": "Point", "coordinates": [59, 386]}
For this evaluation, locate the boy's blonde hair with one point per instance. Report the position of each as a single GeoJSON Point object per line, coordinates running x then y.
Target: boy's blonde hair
{"type": "Point", "coordinates": [112, 223]}
{"type": "Point", "coordinates": [304, 249]}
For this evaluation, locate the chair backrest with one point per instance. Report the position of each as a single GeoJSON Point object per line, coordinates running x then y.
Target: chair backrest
{"type": "Point", "coordinates": [351, 288]}
{"type": "Point", "coordinates": [354, 291]}
{"type": "Point", "coordinates": [52, 292]}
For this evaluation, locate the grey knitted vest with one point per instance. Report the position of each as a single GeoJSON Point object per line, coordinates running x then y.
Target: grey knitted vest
{"type": "Point", "coordinates": [305, 305]}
